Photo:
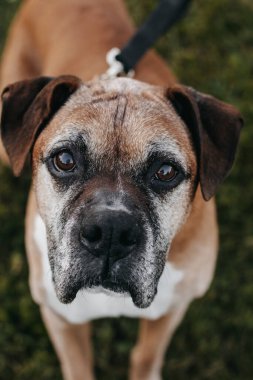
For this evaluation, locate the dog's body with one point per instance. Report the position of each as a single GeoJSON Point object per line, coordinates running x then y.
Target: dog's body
{"type": "Point", "coordinates": [64, 37]}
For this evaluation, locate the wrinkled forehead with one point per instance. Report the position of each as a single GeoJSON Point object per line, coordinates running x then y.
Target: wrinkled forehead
{"type": "Point", "coordinates": [127, 125]}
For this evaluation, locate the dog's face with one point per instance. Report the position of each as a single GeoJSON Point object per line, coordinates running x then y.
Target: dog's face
{"type": "Point", "coordinates": [115, 172]}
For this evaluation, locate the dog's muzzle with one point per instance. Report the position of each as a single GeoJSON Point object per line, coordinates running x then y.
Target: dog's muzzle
{"type": "Point", "coordinates": [110, 248]}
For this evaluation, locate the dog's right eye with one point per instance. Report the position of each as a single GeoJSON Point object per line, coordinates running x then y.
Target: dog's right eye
{"type": "Point", "coordinates": [64, 161]}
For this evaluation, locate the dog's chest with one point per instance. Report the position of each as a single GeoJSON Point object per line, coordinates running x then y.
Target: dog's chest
{"type": "Point", "coordinates": [89, 305]}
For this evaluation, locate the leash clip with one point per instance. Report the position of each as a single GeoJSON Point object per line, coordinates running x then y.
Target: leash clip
{"type": "Point", "coordinates": [116, 68]}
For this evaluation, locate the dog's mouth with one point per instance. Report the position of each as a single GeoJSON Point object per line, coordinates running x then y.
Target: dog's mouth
{"type": "Point", "coordinates": [114, 286]}
{"type": "Point", "coordinates": [132, 276]}
{"type": "Point", "coordinates": [141, 297]}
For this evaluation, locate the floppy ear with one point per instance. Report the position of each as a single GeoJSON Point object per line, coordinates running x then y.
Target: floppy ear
{"type": "Point", "coordinates": [215, 127]}
{"type": "Point", "coordinates": [27, 106]}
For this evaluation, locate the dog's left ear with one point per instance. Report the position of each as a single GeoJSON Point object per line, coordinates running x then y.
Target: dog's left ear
{"type": "Point", "coordinates": [215, 127]}
{"type": "Point", "coordinates": [27, 107]}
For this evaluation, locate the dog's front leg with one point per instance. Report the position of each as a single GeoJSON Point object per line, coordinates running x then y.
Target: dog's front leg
{"type": "Point", "coordinates": [72, 344]}
{"type": "Point", "coordinates": [154, 337]}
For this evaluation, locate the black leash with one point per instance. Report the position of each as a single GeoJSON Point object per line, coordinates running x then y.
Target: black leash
{"type": "Point", "coordinates": [163, 17]}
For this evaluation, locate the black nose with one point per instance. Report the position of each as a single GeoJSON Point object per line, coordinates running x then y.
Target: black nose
{"type": "Point", "coordinates": [110, 233]}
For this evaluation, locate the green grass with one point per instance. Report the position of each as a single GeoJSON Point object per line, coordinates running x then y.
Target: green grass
{"type": "Point", "coordinates": [212, 51]}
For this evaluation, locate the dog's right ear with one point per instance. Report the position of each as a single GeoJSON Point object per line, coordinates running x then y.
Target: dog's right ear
{"type": "Point", "coordinates": [27, 107]}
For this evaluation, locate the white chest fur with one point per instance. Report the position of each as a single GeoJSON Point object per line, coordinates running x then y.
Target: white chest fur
{"type": "Point", "coordinates": [89, 305]}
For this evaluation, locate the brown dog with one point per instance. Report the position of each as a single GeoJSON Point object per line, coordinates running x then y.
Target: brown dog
{"type": "Point", "coordinates": [123, 173]}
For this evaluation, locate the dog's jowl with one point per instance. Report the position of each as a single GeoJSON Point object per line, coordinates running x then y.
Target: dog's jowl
{"type": "Point", "coordinates": [121, 217]}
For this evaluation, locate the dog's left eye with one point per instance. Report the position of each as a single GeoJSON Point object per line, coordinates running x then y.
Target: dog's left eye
{"type": "Point", "coordinates": [165, 176]}
{"type": "Point", "coordinates": [64, 161]}
{"type": "Point", "coordinates": [166, 173]}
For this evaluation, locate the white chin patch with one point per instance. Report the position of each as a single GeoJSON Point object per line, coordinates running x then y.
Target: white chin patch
{"type": "Point", "coordinates": [99, 303]}
{"type": "Point", "coordinates": [107, 292]}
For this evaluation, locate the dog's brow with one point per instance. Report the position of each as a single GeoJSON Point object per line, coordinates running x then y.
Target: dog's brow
{"type": "Point", "coordinates": [69, 139]}
{"type": "Point", "coordinates": [167, 149]}
{"type": "Point", "coordinates": [103, 98]}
